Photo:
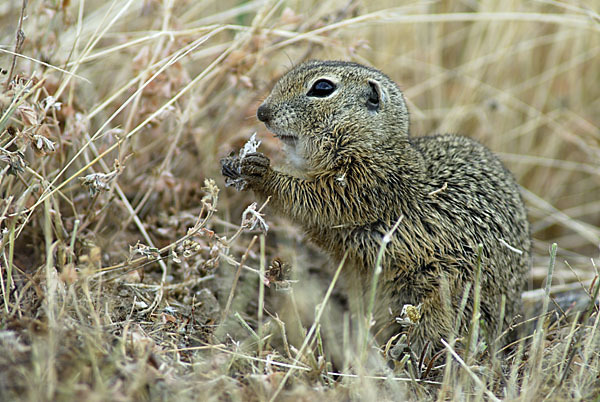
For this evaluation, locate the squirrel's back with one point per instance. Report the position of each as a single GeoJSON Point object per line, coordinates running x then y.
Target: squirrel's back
{"type": "Point", "coordinates": [477, 201]}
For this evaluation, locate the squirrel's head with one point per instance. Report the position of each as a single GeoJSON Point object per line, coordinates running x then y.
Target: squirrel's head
{"type": "Point", "coordinates": [325, 112]}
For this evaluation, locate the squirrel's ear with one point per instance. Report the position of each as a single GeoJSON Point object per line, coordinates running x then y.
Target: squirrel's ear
{"type": "Point", "coordinates": [377, 97]}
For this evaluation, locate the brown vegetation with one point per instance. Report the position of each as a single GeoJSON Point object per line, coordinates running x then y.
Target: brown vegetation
{"type": "Point", "coordinates": [129, 272]}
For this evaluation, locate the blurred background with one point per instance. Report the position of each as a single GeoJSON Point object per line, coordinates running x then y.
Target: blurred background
{"type": "Point", "coordinates": [146, 96]}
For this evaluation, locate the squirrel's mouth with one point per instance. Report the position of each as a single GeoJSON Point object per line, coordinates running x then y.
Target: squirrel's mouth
{"type": "Point", "coordinates": [285, 137]}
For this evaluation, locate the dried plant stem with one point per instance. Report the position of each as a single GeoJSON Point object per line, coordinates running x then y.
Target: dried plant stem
{"type": "Point", "coordinates": [261, 293]}
{"type": "Point", "coordinates": [11, 254]}
{"type": "Point", "coordinates": [20, 38]}
{"type": "Point", "coordinates": [236, 279]}
{"type": "Point", "coordinates": [474, 327]}
{"type": "Point", "coordinates": [470, 372]}
{"type": "Point", "coordinates": [537, 346]}
{"type": "Point", "coordinates": [42, 63]}
{"type": "Point", "coordinates": [311, 331]}
{"type": "Point", "coordinates": [200, 223]}
{"type": "Point", "coordinates": [387, 238]}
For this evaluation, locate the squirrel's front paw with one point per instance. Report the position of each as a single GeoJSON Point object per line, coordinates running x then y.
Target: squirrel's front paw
{"type": "Point", "coordinates": [254, 165]}
{"type": "Point", "coordinates": [246, 171]}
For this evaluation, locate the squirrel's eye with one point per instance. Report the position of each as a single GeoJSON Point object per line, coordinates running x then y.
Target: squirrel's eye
{"type": "Point", "coordinates": [321, 89]}
{"type": "Point", "coordinates": [373, 101]}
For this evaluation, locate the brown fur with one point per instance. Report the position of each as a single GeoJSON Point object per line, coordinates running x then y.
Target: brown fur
{"type": "Point", "coordinates": [357, 171]}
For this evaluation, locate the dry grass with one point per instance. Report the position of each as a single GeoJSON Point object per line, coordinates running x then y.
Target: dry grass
{"type": "Point", "coordinates": [124, 277]}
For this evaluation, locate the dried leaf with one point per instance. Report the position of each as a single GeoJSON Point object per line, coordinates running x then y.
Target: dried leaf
{"type": "Point", "coordinates": [43, 145]}
{"type": "Point", "coordinates": [251, 219]}
{"type": "Point", "coordinates": [15, 160]}
{"type": "Point", "coordinates": [97, 182]}
{"type": "Point", "coordinates": [28, 115]}
{"type": "Point", "coordinates": [250, 146]}
{"type": "Point", "coordinates": [152, 253]}
{"type": "Point", "coordinates": [51, 103]}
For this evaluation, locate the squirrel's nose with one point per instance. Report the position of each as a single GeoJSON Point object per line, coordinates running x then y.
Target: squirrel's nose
{"type": "Point", "coordinates": [263, 113]}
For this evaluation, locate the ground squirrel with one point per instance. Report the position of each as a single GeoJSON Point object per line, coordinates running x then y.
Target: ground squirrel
{"type": "Point", "coordinates": [345, 128]}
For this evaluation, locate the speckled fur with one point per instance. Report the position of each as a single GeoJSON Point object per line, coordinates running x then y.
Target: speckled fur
{"type": "Point", "coordinates": [358, 171]}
